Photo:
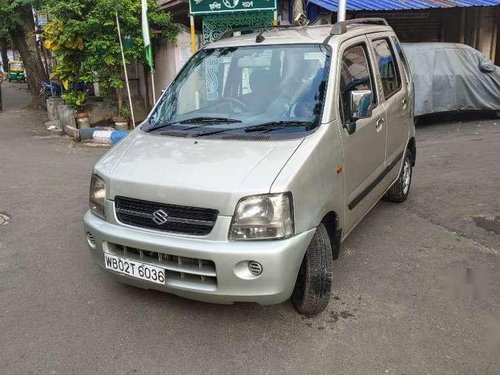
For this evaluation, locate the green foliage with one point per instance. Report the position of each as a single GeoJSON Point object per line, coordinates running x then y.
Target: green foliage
{"type": "Point", "coordinates": [83, 36]}
{"type": "Point", "coordinates": [124, 112]}
{"type": "Point", "coordinates": [8, 14]}
{"type": "Point", "coordinates": [75, 99]}
{"type": "Point", "coordinates": [10, 10]}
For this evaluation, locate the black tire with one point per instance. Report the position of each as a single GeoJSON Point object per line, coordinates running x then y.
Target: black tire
{"type": "Point", "coordinates": [314, 281]}
{"type": "Point", "coordinates": [400, 189]}
{"type": "Point", "coordinates": [43, 100]}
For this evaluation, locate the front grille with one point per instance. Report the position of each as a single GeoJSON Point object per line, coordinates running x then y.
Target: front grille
{"type": "Point", "coordinates": [179, 271]}
{"type": "Point", "coordinates": [165, 217]}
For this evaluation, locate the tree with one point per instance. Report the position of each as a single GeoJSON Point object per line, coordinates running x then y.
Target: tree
{"type": "Point", "coordinates": [83, 36]}
{"type": "Point", "coordinates": [4, 46]}
{"type": "Point", "coordinates": [16, 17]}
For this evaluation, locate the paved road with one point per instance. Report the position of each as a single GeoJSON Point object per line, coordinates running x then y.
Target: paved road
{"type": "Point", "coordinates": [416, 287]}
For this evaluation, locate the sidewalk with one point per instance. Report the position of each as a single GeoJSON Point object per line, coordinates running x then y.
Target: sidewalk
{"type": "Point", "coordinates": [15, 96]}
{"type": "Point", "coordinates": [17, 110]}
{"type": "Point", "coordinates": [16, 106]}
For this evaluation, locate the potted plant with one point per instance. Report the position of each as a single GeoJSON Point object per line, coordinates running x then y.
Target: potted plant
{"type": "Point", "coordinates": [77, 100]}
{"type": "Point", "coordinates": [121, 121]}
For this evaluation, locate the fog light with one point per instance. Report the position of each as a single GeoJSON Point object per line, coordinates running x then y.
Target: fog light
{"type": "Point", "coordinates": [255, 268]}
{"type": "Point", "coordinates": [91, 240]}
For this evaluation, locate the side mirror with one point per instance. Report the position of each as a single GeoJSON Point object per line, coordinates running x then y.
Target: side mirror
{"type": "Point", "coordinates": [360, 106]}
{"type": "Point", "coordinates": [486, 66]}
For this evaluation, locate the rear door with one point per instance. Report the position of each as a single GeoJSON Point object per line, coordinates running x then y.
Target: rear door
{"type": "Point", "coordinates": [395, 95]}
{"type": "Point", "coordinates": [364, 150]}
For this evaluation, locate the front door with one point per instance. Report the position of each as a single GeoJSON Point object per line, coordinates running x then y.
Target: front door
{"type": "Point", "coordinates": [364, 149]}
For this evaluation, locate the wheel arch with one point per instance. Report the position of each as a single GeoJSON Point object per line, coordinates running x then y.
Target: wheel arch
{"type": "Point", "coordinates": [413, 149]}
{"type": "Point", "coordinates": [331, 223]}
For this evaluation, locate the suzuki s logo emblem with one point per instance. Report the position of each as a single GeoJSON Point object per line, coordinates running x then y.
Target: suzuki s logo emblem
{"type": "Point", "coordinates": [160, 217]}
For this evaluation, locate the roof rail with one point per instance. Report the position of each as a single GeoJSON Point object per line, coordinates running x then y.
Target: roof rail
{"type": "Point", "coordinates": [229, 33]}
{"type": "Point", "coordinates": [368, 20]}
{"type": "Point", "coordinates": [340, 27]}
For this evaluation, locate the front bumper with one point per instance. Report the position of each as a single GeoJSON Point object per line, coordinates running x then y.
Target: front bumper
{"type": "Point", "coordinates": [280, 261]}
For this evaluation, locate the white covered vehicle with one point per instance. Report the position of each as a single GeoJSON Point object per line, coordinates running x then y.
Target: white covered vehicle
{"type": "Point", "coordinates": [452, 77]}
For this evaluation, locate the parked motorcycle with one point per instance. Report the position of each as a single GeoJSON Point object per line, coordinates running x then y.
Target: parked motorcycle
{"type": "Point", "coordinates": [52, 89]}
{"type": "Point", "coordinates": [48, 90]}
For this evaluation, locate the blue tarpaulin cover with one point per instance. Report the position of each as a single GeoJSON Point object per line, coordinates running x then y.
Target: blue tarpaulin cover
{"type": "Point", "coordinates": [331, 5]}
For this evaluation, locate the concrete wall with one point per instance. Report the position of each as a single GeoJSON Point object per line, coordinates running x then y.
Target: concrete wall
{"type": "Point", "coordinates": [169, 59]}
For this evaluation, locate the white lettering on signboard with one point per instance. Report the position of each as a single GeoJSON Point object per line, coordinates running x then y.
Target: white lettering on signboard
{"type": "Point", "coordinates": [247, 4]}
{"type": "Point", "coordinates": [215, 5]}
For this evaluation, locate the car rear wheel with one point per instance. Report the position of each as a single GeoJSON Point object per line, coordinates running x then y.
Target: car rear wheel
{"type": "Point", "coordinates": [401, 188]}
{"type": "Point", "coordinates": [314, 281]}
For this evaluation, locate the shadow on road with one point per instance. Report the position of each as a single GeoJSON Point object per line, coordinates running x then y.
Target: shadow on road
{"type": "Point", "coordinates": [450, 117]}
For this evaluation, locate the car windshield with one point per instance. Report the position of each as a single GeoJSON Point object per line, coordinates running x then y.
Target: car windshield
{"type": "Point", "coordinates": [273, 89]}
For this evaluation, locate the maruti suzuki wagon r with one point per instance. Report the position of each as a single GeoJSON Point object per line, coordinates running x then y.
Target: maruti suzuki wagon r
{"type": "Point", "coordinates": [259, 159]}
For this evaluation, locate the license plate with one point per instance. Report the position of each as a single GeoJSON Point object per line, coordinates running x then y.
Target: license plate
{"type": "Point", "coordinates": [135, 269]}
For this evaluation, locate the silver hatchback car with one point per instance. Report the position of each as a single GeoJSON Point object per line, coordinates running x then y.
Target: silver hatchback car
{"type": "Point", "coordinates": [258, 160]}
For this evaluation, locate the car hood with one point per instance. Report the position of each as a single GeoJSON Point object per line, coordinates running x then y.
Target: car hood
{"type": "Point", "coordinates": [206, 173]}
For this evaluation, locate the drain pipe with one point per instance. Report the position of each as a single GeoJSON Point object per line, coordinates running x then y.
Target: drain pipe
{"type": "Point", "coordinates": [341, 10]}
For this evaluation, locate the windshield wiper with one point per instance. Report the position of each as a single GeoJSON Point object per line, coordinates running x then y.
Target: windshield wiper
{"type": "Point", "coordinates": [205, 120]}
{"type": "Point", "coordinates": [274, 125]}
{"type": "Point", "coordinates": [160, 125]}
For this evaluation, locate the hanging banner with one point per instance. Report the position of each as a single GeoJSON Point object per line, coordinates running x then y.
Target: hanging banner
{"type": "Point", "coordinates": [226, 6]}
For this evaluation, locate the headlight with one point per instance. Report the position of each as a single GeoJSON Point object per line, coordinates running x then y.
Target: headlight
{"type": "Point", "coordinates": [263, 217]}
{"type": "Point", "coordinates": [97, 196]}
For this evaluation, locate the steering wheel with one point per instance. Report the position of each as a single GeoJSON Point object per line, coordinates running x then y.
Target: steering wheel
{"type": "Point", "coordinates": [243, 107]}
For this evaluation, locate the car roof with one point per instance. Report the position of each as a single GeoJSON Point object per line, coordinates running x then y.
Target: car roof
{"type": "Point", "coordinates": [298, 35]}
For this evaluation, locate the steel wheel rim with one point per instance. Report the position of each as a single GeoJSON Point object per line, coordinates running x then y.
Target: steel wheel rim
{"type": "Point", "coordinates": [406, 176]}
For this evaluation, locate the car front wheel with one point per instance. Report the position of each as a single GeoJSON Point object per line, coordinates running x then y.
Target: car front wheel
{"type": "Point", "coordinates": [314, 281]}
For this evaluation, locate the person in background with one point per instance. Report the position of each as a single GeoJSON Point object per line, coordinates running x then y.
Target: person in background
{"type": "Point", "coordinates": [1, 80]}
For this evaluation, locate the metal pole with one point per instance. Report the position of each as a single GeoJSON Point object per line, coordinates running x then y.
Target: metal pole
{"type": "Point", "coordinates": [125, 70]}
{"type": "Point", "coordinates": [153, 87]}
{"type": "Point", "coordinates": [193, 34]}
{"type": "Point", "coordinates": [341, 10]}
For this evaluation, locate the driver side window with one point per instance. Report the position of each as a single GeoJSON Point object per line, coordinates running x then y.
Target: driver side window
{"type": "Point", "coordinates": [355, 75]}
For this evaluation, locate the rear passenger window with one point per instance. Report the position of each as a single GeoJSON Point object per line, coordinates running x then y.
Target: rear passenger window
{"type": "Point", "coordinates": [354, 75]}
{"type": "Point", "coordinates": [402, 58]}
{"type": "Point", "coordinates": [386, 61]}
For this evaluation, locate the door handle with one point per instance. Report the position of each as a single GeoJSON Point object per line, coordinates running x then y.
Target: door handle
{"type": "Point", "coordinates": [404, 102]}
{"type": "Point", "coordinates": [379, 124]}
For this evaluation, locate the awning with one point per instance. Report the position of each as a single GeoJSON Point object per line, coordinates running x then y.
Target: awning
{"type": "Point", "coordinates": [331, 5]}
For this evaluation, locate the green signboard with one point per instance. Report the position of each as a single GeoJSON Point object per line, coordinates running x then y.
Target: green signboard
{"type": "Point", "coordinates": [226, 6]}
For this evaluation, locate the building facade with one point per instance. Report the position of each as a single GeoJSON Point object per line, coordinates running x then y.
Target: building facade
{"type": "Point", "coordinates": [472, 22]}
